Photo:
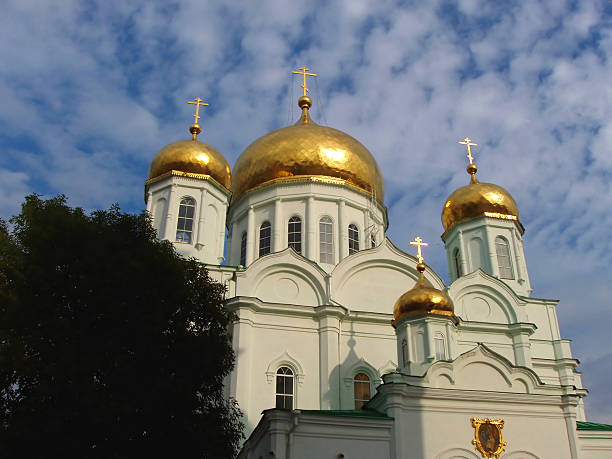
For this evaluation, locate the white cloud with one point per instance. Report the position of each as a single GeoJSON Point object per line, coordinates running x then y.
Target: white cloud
{"type": "Point", "coordinates": [94, 92]}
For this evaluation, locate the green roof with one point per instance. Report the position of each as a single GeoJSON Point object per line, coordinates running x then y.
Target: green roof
{"type": "Point", "coordinates": [349, 413]}
{"type": "Point", "coordinates": [581, 425]}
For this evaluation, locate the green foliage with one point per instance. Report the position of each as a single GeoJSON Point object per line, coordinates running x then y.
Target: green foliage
{"type": "Point", "coordinates": [111, 345]}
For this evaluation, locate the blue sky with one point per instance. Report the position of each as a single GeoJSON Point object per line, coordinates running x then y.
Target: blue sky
{"type": "Point", "coordinates": [91, 90]}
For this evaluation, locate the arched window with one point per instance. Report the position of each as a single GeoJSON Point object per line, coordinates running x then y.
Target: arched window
{"type": "Point", "coordinates": [405, 352]}
{"type": "Point", "coordinates": [372, 241]}
{"type": "Point", "coordinates": [440, 345]}
{"type": "Point", "coordinates": [361, 385]}
{"type": "Point", "coordinates": [284, 388]}
{"type": "Point", "coordinates": [353, 239]}
{"type": "Point", "coordinates": [184, 226]}
{"type": "Point", "coordinates": [265, 235]}
{"type": "Point", "coordinates": [294, 234]}
{"type": "Point", "coordinates": [243, 248]}
{"type": "Point", "coordinates": [326, 238]}
{"type": "Point", "coordinates": [503, 258]}
{"type": "Point", "coordinates": [457, 260]}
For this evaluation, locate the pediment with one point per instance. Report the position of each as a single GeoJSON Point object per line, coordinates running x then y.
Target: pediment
{"type": "Point", "coordinates": [284, 277]}
{"type": "Point", "coordinates": [479, 297]}
{"type": "Point", "coordinates": [482, 369]}
{"type": "Point", "coordinates": [373, 279]}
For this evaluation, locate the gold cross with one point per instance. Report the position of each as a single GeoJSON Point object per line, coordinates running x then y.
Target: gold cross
{"type": "Point", "coordinates": [304, 72]}
{"type": "Point", "coordinates": [197, 103]}
{"type": "Point", "coordinates": [468, 142]}
{"type": "Point", "coordinates": [419, 243]}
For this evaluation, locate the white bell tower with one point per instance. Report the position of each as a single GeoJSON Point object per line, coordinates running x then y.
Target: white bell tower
{"type": "Point", "coordinates": [188, 194]}
{"type": "Point", "coordinates": [483, 231]}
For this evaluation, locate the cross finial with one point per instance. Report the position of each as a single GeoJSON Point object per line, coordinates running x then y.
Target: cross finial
{"type": "Point", "coordinates": [197, 102]}
{"type": "Point", "coordinates": [468, 142]}
{"type": "Point", "coordinates": [304, 72]}
{"type": "Point", "coordinates": [419, 243]}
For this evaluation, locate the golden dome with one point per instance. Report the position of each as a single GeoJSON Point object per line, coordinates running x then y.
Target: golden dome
{"type": "Point", "coordinates": [423, 298]}
{"type": "Point", "coordinates": [310, 152]}
{"type": "Point", "coordinates": [476, 200]}
{"type": "Point", "coordinates": [193, 157]}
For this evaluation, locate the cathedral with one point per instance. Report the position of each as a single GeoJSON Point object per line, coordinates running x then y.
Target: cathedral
{"type": "Point", "coordinates": [348, 347]}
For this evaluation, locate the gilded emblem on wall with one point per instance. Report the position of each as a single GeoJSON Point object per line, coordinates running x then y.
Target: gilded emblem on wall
{"type": "Point", "coordinates": [488, 437]}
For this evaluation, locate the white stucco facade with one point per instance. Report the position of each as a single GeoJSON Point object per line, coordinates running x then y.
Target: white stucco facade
{"type": "Point", "coordinates": [312, 280]}
{"type": "Point", "coordinates": [163, 196]}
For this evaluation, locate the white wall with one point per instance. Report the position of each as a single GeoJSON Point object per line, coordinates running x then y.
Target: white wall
{"type": "Point", "coordinates": [310, 201]}
{"type": "Point", "coordinates": [164, 195]}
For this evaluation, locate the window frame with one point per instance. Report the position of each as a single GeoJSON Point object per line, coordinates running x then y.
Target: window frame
{"type": "Point", "coordinates": [457, 262]}
{"type": "Point", "coordinates": [296, 244]}
{"type": "Point", "coordinates": [405, 352]}
{"type": "Point", "coordinates": [329, 256]}
{"type": "Point", "coordinates": [243, 248]}
{"type": "Point", "coordinates": [265, 249]}
{"type": "Point", "coordinates": [505, 272]}
{"type": "Point", "coordinates": [357, 382]}
{"type": "Point", "coordinates": [188, 203]}
{"type": "Point", "coordinates": [286, 373]}
{"type": "Point", "coordinates": [353, 239]}
{"type": "Point", "coordinates": [441, 353]}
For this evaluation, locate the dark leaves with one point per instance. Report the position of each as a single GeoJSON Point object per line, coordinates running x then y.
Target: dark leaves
{"type": "Point", "coordinates": [111, 345]}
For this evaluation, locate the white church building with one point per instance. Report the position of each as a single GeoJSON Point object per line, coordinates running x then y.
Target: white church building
{"type": "Point", "coordinates": [347, 346]}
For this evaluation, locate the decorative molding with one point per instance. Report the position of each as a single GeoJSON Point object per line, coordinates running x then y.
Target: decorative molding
{"type": "Point", "coordinates": [285, 359]}
{"type": "Point", "coordinates": [361, 366]}
{"type": "Point", "coordinates": [389, 367]}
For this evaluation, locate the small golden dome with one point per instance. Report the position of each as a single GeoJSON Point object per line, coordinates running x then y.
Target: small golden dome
{"type": "Point", "coordinates": [476, 200]}
{"type": "Point", "coordinates": [193, 157]}
{"type": "Point", "coordinates": [423, 298]}
{"type": "Point", "coordinates": [306, 151]}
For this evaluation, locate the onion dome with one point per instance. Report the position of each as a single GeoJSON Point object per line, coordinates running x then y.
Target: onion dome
{"type": "Point", "coordinates": [423, 298]}
{"type": "Point", "coordinates": [191, 157]}
{"type": "Point", "coordinates": [307, 151]}
{"type": "Point", "coordinates": [477, 200]}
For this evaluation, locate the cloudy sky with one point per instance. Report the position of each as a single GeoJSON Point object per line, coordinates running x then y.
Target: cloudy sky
{"type": "Point", "coordinates": [91, 90]}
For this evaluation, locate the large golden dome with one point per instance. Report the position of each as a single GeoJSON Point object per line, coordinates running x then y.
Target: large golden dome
{"type": "Point", "coordinates": [310, 152]}
{"type": "Point", "coordinates": [476, 200]}
{"type": "Point", "coordinates": [193, 157]}
{"type": "Point", "coordinates": [423, 298]}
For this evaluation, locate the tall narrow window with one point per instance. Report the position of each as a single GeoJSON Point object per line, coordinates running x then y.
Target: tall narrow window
{"type": "Point", "coordinates": [405, 352]}
{"type": "Point", "coordinates": [503, 258]}
{"type": "Point", "coordinates": [440, 345]}
{"type": "Point", "coordinates": [265, 234]}
{"type": "Point", "coordinates": [361, 384]}
{"type": "Point", "coordinates": [353, 239]}
{"type": "Point", "coordinates": [326, 238]}
{"type": "Point", "coordinates": [184, 226]}
{"type": "Point", "coordinates": [294, 234]}
{"type": "Point", "coordinates": [372, 241]}
{"type": "Point", "coordinates": [457, 260]}
{"type": "Point", "coordinates": [243, 248]}
{"type": "Point", "coordinates": [284, 388]}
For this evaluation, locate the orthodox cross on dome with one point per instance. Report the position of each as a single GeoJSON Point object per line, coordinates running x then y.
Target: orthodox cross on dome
{"type": "Point", "coordinates": [419, 243]}
{"type": "Point", "coordinates": [197, 102]}
{"type": "Point", "coordinates": [304, 72]}
{"type": "Point", "coordinates": [468, 142]}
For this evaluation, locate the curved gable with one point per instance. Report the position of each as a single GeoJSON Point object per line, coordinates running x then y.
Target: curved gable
{"type": "Point", "coordinates": [483, 369]}
{"type": "Point", "coordinates": [372, 280]}
{"type": "Point", "coordinates": [284, 277]}
{"type": "Point", "coordinates": [479, 297]}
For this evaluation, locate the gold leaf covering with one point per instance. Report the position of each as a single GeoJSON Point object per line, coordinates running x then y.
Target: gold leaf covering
{"type": "Point", "coordinates": [477, 200]}
{"type": "Point", "coordinates": [306, 151]}
{"type": "Point", "coordinates": [194, 157]}
{"type": "Point", "coordinates": [423, 298]}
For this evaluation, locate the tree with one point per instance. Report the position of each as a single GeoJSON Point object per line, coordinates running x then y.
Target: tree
{"type": "Point", "coordinates": [111, 345]}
